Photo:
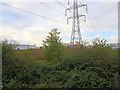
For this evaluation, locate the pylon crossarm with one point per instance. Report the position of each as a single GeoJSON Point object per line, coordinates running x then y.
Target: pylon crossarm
{"type": "Point", "coordinates": [68, 19]}
{"type": "Point", "coordinates": [76, 34]}
{"type": "Point", "coordinates": [83, 16]}
{"type": "Point", "coordinates": [82, 5]}
{"type": "Point", "coordinates": [68, 9]}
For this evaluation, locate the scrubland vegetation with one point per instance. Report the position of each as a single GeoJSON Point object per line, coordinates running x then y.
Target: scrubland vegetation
{"type": "Point", "coordinates": [56, 66]}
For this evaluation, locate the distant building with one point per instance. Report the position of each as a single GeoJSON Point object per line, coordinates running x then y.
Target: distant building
{"type": "Point", "coordinates": [71, 45]}
{"type": "Point", "coordinates": [66, 44]}
{"type": "Point", "coordinates": [115, 45]}
{"type": "Point", "coordinates": [24, 47]}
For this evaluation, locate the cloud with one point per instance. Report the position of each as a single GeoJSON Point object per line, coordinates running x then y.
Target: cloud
{"type": "Point", "coordinates": [28, 35]}
{"type": "Point", "coordinates": [27, 28]}
{"type": "Point", "coordinates": [113, 38]}
{"type": "Point", "coordinates": [104, 15]}
{"type": "Point", "coordinates": [59, 0]}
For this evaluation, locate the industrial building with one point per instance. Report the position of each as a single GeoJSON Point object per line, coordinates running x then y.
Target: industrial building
{"type": "Point", "coordinates": [24, 47]}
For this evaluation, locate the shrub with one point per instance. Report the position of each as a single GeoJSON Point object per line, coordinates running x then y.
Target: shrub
{"type": "Point", "coordinates": [7, 62]}
{"type": "Point", "coordinates": [96, 67]}
{"type": "Point", "coordinates": [53, 46]}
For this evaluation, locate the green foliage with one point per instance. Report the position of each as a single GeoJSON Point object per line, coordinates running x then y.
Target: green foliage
{"type": "Point", "coordinates": [53, 46]}
{"type": "Point", "coordinates": [95, 67]}
{"type": "Point", "coordinates": [6, 50]}
{"type": "Point", "coordinates": [7, 62]}
{"type": "Point", "coordinates": [16, 73]}
{"type": "Point", "coordinates": [97, 42]}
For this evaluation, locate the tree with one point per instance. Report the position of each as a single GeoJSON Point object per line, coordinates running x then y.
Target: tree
{"type": "Point", "coordinates": [53, 46]}
{"type": "Point", "coordinates": [99, 43]}
{"type": "Point", "coordinates": [85, 44]}
{"type": "Point", "coordinates": [102, 49]}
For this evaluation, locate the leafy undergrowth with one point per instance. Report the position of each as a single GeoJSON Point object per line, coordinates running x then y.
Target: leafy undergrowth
{"type": "Point", "coordinates": [86, 68]}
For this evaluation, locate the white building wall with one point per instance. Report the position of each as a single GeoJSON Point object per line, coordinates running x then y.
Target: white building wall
{"type": "Point", "coordinates": [24, 47]}
{"type": "Point", "coordinates": [115, 45]}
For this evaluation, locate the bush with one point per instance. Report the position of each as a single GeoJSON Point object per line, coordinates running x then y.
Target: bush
{"type": "Point", "coordinates": [16, 73]}
{"type": "Point", "coordinates": [7, 62]}
{"type": "Point", "coordinates": [53, 46]}
{"type": "Point", "coordinates": [96, 67]}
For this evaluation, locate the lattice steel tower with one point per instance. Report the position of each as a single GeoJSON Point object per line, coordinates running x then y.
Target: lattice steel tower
{"type": "Point", "coordinates": [76, 36]}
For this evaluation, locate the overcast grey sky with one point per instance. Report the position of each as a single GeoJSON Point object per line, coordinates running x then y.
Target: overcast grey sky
{"type": "Point", "coordinates": [28, 28]}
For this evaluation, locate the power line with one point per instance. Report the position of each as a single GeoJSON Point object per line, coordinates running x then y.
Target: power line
{"type": "Point", "coordinates": [91, 23]}
{"type": "Point", "coordinates": [88, 16]}
{"type": "Point", "coordinates": [31, 12]}
{"type": "Point", "coordinates": [68, 5]}
{"type": "Point", "coordinates": [88, 28]}
{"type": "Point", "coordinates": [65, 1]}
{"type": "Point", "coordinates": [83, 1]}
{"type": "Point", "coordinates": [86, 24]}
{"type": "Point", "coordinates": [76, 33]}
{"type": "Point", "coordinates": [90, 19]}
{"type": "Point", "coordinates": [61, 4]}
{"type": "Point", "coordinates": [51, 8]}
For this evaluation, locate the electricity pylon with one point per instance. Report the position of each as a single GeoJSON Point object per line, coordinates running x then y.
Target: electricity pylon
{"type": "Point", "coordinates": [76, 36]}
